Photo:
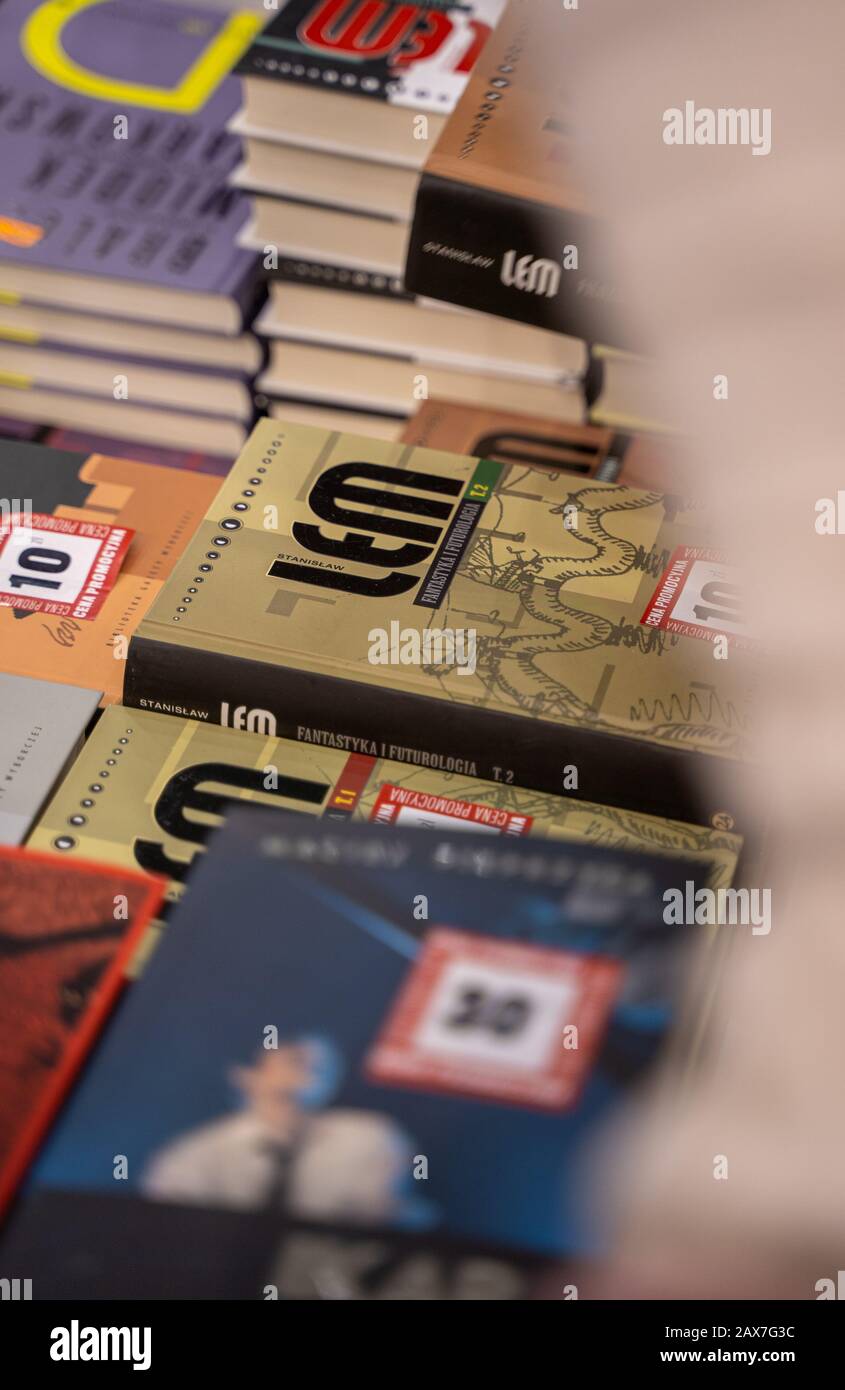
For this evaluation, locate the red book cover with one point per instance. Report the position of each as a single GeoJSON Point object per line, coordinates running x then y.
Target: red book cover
{"type": "Point", "coordinates": [67, 934]}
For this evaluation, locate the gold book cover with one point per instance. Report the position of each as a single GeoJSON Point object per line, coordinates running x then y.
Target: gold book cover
{"type": "Point", "coordinates": [460, 615]}
{"type": "Point", "coordinates": [148, 790]}
{"type": "Point", "coordinates": [464, 615]}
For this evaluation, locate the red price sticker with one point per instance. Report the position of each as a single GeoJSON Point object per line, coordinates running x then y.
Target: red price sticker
{"type": "Point", "coordinates": [408, 807]}
{"type": "Point", "coordinates": [498, 1020]}
{"type": "Point", "coordinates": [52, 565]}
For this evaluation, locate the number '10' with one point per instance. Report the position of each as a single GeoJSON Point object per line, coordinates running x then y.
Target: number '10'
{"type": "Point", "coordinates": [43, 562]}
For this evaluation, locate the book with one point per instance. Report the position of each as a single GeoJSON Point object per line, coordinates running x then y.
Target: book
{"type": "Point", "coordinates": [17, 429]}
{"type": "Point", "coordinates": [594, 451]}
{"type": "Point", "coordinates": [49, 327]}
{"type": "Point", "coordinates": [618, 389]}
{"type": "Point", "coordinates": [41, 730]}
{"type": "Point", "coordinates": [147, 424]}
{"type": "Point", "coordinates": [342, 77]}
{"type": "Point", "coordinates": [67, 936]}
{"type": "Point", "coordinates": [459, 614]}
{"type": "Point", "coordinates": [116, 158]}
{"type": "Point", "coordinates": [272, 170]}
{"type": "Point", "coordinates": [375, 383]}
{"type": "Point", "coordinates": [298, 241]}
{"type": "Point", "coordinates": [452, 995]}
{"type": "Point", "coordinates": [173, 781]}
{"type": "Point", "coordinates": [500, 223]}
{"type": "Point", "coordinates": [419, 333]}
{"type": "Point", "coordinates": [192, 460]}
{"type": "Point", "coordinates": [126, 379]}
{"type": "Point", "coordinates": [158, 509]}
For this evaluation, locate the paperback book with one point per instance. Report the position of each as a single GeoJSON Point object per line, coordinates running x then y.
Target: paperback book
{"type": "Point", "coordinates": [420, 333]}
{"type": "Point", "coordinates": [116, 158]}
{"type": "Point", "coordinates": [42, 726]}
{"type": "Point", "coordinates": [348, 77]}
{"type": "Point", "coordinates": [457, 614]}
{"type": "Point", "coordinates": [594, 451]}
{"type": "Point", "coordinates": [172, 782]}
{"type": "Point", "coordinates": [36, 325]}
{"type": "Point", "coordinates": [74, 512]}
{"type": "Point", "coordinates": [392, 386]}
{"type": "Point", "coordinates": [67, 936]}
{"type": "Point", "coordinates": [294, 1126]}
{"type": "Point", "coordinates": [151, 425]}
{"type": "Point", "coordinates": [500, 223]}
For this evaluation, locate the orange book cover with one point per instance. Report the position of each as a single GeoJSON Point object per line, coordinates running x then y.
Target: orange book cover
{"type": "Point", "coordinates": [161, 506]}
{"type": "Point", "coordinates": [613, 456]}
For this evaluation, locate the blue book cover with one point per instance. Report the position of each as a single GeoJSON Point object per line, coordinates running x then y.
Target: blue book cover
{"type": "Point", "coordinates": [353, 1048]}
{"type": "Point", "coordinates": [113, 144]}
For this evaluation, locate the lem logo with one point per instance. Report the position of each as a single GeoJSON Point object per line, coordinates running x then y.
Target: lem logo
{"type": "Point", "coordinates": [530, 275]}
{"type": "Point", "coordinates": [404, 34]}
{"type": "Point", "coordinates": [255, 721]}
{"type": "Point", "coordinates": [342, 484]}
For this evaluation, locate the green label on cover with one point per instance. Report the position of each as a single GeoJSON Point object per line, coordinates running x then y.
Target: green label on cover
{"type": "Point", "coordinates": [445, 564]}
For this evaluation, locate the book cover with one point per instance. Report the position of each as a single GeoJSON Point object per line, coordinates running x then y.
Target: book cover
{"type": "Point", "coordinates": [67, 935]}
{"type": "Point", "coordinates": [500, 223]}
{"type": "Point", "coordinates": [161, 507]}
{"type": "Point", "coordinates": [172, 781]}
{"type": "Point", "coordinates": [610, 455]}
{"type": "Point", "coordinates": [41, 729]}
{"type": "Point", "coordinates": [455, 613]}
{"type": "Point", "coordinates": [452, 996]}
{"type": "Point", "coordinates": [350, 77]}
{"type": "Point", "coordinates": [115, 153]}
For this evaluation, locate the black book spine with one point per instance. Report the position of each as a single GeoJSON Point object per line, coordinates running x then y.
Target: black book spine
{"type": "Point", "coordinates": [425, 731]}
{"type": "Point", "coordinates": [512, 257]}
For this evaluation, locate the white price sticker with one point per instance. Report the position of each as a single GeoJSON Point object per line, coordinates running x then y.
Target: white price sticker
{"type": "Point", "coordinates": [52, 565]}
{"type": "Point", "coordinates": [488, 1017]}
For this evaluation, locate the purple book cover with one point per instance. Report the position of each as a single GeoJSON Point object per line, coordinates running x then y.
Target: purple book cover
{"type": "Point", "coordinates": [113, 143]}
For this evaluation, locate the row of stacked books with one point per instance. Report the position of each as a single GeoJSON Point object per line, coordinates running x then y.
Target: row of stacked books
{"type": "Point", "coordinates": [377, 823]}
{"type": "Point", "coordinates": [144, 224]}
{"type": "Point", "coordinates": [125, 301]}
{"type": "Point", "coordinates": [344, 123]}
{"type": "Point", "coordinates": [341, 793]}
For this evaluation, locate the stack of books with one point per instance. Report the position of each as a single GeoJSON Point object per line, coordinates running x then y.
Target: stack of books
{"type": "Point", "coordinates": [124, 299]}
{"type": "Point", "coordinates": [342, 107]}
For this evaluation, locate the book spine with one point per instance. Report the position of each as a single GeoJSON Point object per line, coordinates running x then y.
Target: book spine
{"type": "Point", "coordinates": [422, 730]}
{"type": "Point", "coordinates": [512, 257]}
